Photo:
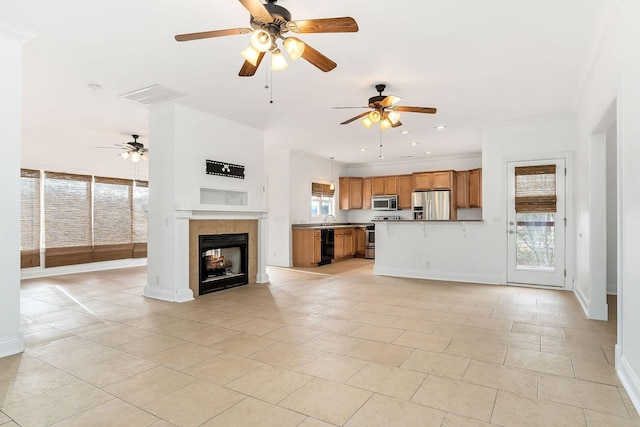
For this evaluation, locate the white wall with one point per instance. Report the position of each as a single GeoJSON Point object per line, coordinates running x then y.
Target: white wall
{"type": "Point", "coordinates": [11, 38]}
{"type": "Point", "coordinates": [183, 140]}
{"type": "Point", "coordinates": [612, 209]}
{"type": "Point", "coordinates": [279, 182]}
{"type": "Point", "coordinates": [542, 139]}
{"type": "Point", "coordinates": [614, 76]}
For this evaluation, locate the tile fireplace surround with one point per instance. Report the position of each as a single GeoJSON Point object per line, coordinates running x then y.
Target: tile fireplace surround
{"type": "Point", "coordinates": [228, 226]}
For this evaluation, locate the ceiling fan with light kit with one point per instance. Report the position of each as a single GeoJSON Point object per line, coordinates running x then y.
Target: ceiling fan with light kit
{"type": "Point", "coordinates": [270, 22]}
{"type": "Point", "coordinates": [384, 110]}
{"type": "Point", "coordinates": [132, 150]}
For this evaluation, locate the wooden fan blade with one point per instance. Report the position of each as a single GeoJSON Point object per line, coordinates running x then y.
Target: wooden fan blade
{"type": "Point", "coordinates": [317, 59]}
{"type": "Point", "coordinates": [325, 25]}
{"type": "Point", "coordinates": [257, 10]}
{"type": "Point", "coordinates": [390, 100]}
{"type": "Point", "coordinates": [397, 124]}
{"type": "Point", "coordinates": [248, 69]}
{"type": "Point", "coordinates": [340, 108]}
{"type": "Point", "coordinates": [425, 110]}
{"type": "Point", "coordinates": [355, 118]}
{"type": "Point", "coordinates": [210, 34]}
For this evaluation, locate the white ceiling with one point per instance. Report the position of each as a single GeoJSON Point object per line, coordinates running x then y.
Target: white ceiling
{"type": "Point", "coordinates": [479, 62]}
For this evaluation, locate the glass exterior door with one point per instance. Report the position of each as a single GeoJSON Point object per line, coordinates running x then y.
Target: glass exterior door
{"type": "Point", "coordinates": [536, 223]}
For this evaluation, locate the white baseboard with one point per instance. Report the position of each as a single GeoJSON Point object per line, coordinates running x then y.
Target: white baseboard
{"type": "Point", "coordinates": [32, 273]}
{"type": "Point", "coordinates": [436, 275]}
{"type": "Point", "coordinates": [630, 381]}
{"type": "Point", "coordinates": [12, 346]}
{"type": "Point", "coordinates": [167, 295]}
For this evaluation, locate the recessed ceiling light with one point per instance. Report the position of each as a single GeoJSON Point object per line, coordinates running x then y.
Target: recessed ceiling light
{"type": "Point", "coordinates": [413, 143]}
{"type": "Point", "coordinates": [363, 149]}
{"type": "Point", "coordinates": [427, 152]}
{"type": "Point", "coordinates": [440, 127]}
{"type": "Point", "coordinates": [404, 132]}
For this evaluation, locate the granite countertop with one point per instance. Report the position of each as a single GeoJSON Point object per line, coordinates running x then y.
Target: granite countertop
{"type": "Point", "coordinates": [429, 220]}
{"type": "Point", "coordinates": [334, 225]}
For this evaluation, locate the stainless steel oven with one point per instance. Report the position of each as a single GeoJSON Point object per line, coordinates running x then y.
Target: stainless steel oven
{"type": "Point", "coordinates": [370, 242]}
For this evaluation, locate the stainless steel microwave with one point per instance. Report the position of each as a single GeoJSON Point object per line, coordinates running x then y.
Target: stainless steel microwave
{"type": "Point", "coordinates": [384, 203]}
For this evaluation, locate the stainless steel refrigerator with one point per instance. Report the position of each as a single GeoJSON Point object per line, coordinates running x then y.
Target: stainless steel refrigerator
{"type": "Point", "coordinates": [431, 205]}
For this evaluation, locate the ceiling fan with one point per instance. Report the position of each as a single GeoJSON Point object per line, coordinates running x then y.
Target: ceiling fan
{"type": "Point", "coordinates": [133, 150]}
{"type": "Point", "coordinates": [270, 22]}
{"type": "Point", "coordinates": [385, 111]}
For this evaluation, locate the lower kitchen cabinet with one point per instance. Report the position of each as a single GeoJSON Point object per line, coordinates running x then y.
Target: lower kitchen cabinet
{"type": "Point", "coordinates": [360, 241]}
{"type": "Point", "coordinates": [307, 246]}
{"type": "Point", "coordinates": [344, 243]}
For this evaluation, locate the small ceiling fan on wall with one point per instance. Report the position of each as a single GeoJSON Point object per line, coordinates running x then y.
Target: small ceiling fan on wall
{"type": "Point", "coordinates": [132, 150]}
{"type": "Point", "coordinates": [384, 110]}
{"type": "Point", "coordinates": [270, 22]}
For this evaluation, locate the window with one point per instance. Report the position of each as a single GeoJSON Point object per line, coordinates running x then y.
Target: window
{"type": "Point", "coordinates": [140, 202]}
{"type": "Point", "coordinates": [29, 218]}
{"type": "Point", "coordinates": [321, 199]}
{"type": "Point", "coordinates": [85, 218]}
{"type": "Point", "coordinates": [112, 218]}
{"type": "Point", "coordinates": [67, 219]}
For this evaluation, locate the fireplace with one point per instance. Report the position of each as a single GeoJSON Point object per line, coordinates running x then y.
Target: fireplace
{"type": "Point", "coordinates": [223, 261]}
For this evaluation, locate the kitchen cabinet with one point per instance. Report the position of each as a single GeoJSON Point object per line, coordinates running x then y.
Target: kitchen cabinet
{"type": "Point", "coordinates": [344, 244]}
{"type": "Point", "coordinates": [384, 185]}
{"type": "Point", "coordinates": [462, 189]}
{"type": "Point", "coordinates": [350, 192]}
{"type": "Point", "coordinates": [360, 241]}
{"type": "Point", "coordinates": [475, 188]}
{"type": "Point", "coordinates": [405, 188]}
{"type": "Point", "coordinates": [439, 180]}
{"type": "Point", "coordinates": [469, 188]}
{"type": "Point", "coordinates": [306, 247]}
{"type": "Point", "coordinates": [366, 193]}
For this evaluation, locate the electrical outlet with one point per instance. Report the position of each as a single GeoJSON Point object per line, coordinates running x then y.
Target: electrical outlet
{"type": "Point", "coordinates": [427, 264]}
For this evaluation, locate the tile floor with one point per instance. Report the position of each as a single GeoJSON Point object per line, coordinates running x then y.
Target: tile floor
{"type": "Point", "coordinates": [332, 346]}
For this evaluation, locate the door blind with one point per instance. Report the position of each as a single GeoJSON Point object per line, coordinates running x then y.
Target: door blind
{"type": "Point", "coordinates": [535, 189]}
{"type": "Point", "coordinates": [29, 218]}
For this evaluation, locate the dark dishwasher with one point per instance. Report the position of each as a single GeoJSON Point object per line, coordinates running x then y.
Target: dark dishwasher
{"type": "Point", "coordinates": [326, 247]}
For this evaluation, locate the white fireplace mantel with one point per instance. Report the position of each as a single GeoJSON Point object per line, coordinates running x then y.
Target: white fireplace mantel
{"type": "Point", "coordinates": [184, 213]}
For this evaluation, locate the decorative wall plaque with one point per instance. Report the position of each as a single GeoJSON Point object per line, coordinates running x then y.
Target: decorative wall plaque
{"type": "Point", "coordinates": [225, 169]}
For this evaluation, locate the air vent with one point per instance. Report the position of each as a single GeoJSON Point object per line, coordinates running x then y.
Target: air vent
{"type": "Point", "coordinates": [152, 95]}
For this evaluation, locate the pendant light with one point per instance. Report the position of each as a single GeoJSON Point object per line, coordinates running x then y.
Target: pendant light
{"type": "Point", "coordinates": [332, 185]}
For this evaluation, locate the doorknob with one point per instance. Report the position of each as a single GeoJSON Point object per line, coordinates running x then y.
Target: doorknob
{"type": "Point", "coordinates": [511, 232]}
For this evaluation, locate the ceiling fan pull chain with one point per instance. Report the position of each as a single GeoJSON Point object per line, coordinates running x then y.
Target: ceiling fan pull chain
{"type": "Point", "coordinates": [271, 89]}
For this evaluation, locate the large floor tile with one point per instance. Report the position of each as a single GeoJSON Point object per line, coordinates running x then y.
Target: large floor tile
{"type": "Point", "coordinates": [223, 368]}
{"type": "Point", "coordinates": [523, 382]}
{"type": "Point", "coordinates": [384, 411]}
{"type": "Point", "coordinates": [450, 395]}
{"type": "Point", "coordinates": [112, 413]}
{"type": "Point", "coordinates": [243, 344]}
{"type": "Point", "coordinates": [512, 410]}
{"type": "Point", "coordinates": [251, 412]}
{"type": "Point", "coordinates": [269, 383]}
{"type": "Point", "coordinates": [330, 366]}
{"type": "Point", "coordinates": [538, 361]}
{"type": "Point", "coordinates": [387, 354]}
{"type": "Point", "coordinates": [194, 404]}
{"type": "Point", "coordinates": [326, 400]}
{"type": "Point", "coordinates": [436, 363]}
{"type": "Point", "coordinates": [283, 354]}
{"type": "Point", "coordinates": [55, 405]}
{"type": "Point", "coordinates": [112, 370]}
{"type": "Point", "coordinates": [388, 380]}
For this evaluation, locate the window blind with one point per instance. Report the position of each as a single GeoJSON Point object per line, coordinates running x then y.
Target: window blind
{"type": "Point", "coordinates": [67, 219]}
{"type": "Point", "coordinates": [112, 218]}
{"type": "Point", "coordinates": [321, 190]}
{"type": "Point", "coordinates": [29, 218]}
{"type": "Point", "coordinates": [535, 189]}
{"type": "Point", "coordinates": [140, 206]}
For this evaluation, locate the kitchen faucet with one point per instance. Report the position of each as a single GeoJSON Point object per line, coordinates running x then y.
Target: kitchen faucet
{"type": "Point", "coordinates": [327, 219]}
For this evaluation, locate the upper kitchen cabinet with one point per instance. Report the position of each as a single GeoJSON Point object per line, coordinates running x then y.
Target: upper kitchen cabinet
{"type": "Point", "coordinates": [475, 188]}
{"type": "Point", "coordinates": [384, 185]}
{"type": "Point", "coordinates": [469, 188]}
{"type": "Point", "coordinates": [440, 180]}
{"type": "Point", "coordinates": [405, 188]}
{"type": "Point", "coordinates": [366, 193]}
{"type": "Point", "coordinates": [350, 192]}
